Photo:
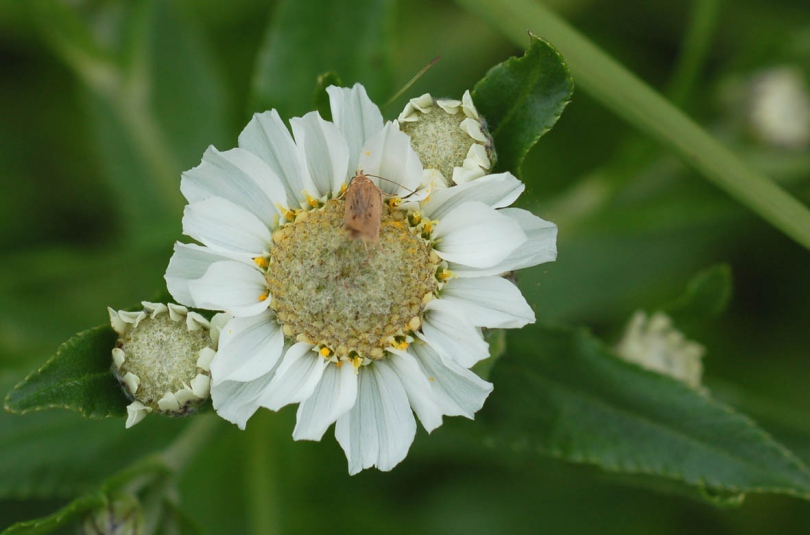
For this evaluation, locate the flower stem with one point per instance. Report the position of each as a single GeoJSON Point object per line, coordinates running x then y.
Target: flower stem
{"type": "Point", "coordinates": [196, 435]}
{"type": "Point", "coordinates": [264, 514]}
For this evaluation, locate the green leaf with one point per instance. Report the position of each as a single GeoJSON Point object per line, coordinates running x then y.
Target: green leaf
{"type": "Point", "coordinates": [706, 297]}
{"type": "Point", "coordinates": [521, 99]}
{"type": "Point", "coordinates": [571, 398]}
{"type": "Point", "coordinates": [119, 500]}
{"type": "Point", "coordinates": [321, 97]}
{"type": "Point", "coordinates": [66, 516]}
{"type": "Point", "coordinates": [296, 51]}
{"type": "Point", "coordinates": [78, 377]}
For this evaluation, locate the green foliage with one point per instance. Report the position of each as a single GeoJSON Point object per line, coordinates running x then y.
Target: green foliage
{"type": "Point", "coordinates": [350, 37]}
{"type": "Point", "coordinates": [521, 99]}
{"type": "Point", "coordinates": [78, 377]}
{"type": "Point", "coordinates": [321, 97]}
{"type": "Point", "coordinates": [112, 100]}
{"type": "Point", "coordinates": [54, 454]}
{"type": "Point", "coordinates": [571, 398]}
{"type": "Point", "coordinates": [705, 298]}
{"type": "Point", "coordinates": [66, 516]}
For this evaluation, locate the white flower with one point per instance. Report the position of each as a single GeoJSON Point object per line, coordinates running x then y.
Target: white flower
{"type": "Point", "coordinates": [361, 334]}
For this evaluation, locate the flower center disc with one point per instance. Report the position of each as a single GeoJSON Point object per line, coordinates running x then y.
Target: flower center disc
{"type": "Point", "coordinates": [345, 294]}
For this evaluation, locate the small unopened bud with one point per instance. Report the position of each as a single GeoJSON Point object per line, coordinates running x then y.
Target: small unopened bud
{"type": "Point", "coordinates": [779, 108]}
{"type": "Point", "coordinates": [450, 137]}
{"type": "Point", "coordinates": [121, 516]}
{"type": "Point", "coordinates": [654, 343]}
{"type": "Point", "coordinates": [163, 358]}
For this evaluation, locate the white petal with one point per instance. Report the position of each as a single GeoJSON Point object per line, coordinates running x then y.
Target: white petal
{"type": "Point", "coordinates": [388, 154]}
{"type": "Point", "coordinates": [267, 137]}
{"type": "Point", "coordinates": [416, 384]}
{"type": "Point", "coordinates": [447, 330]}
{"type": "Point", "coordinates": [189, 262]}
{"type": "Point", "coordinates": [136, 411]}
{"type": "Point", "coordinates": [334, 397]}
{"type": "Point", "coordinates": [230, 286]}
{"type": "Point", "coordinates": [201, 386]}
{"type": "Point", "coordinates": [458, 391]}
{"type": "Point", "coordinates": [476, 235]}
{"type": "Point", "coordinates": [495, 191]}
{"type": "Point", "coordinates": [296, 377]}
{"type": "Point", "coordinates": [492, 302]}
{"type": "Point", "coordinates": [323, 151]}
{"type": "Point", "coordinates": [380, 428]}
{"type": "Point", "coordinates": [224, 226]}
{"type": "Point", "coordinates": [248, 348]}
{"type": "Point", "coordinates": [236, 401]}
{"type": "Point", "coordinates": [238, 176]}
{"type": "Point", "coordinates": [356, 116]}
{"type": "Point", "coordinates": [540, 246]}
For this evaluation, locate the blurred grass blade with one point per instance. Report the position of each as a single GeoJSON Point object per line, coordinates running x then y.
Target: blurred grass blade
{"type": "Point", "coordinates": [307, 39]}
{"type": "Point", "coordinates": [149, 125]}
{"type": "Point", "coordinates": [622, 92]}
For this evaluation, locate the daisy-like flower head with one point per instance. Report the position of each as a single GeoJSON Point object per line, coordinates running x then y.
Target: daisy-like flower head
{"type": "Point", "coordinates": [358, 333]}
{"type": "Point", "coordinates": [162, 358]}
{"type": "Point", "coordinates": [450, 137]}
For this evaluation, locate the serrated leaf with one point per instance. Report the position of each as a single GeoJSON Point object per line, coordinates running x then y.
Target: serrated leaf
{"type": "Point", "coordinates": [57, 454]}
{"type": "Point", "coordinates": [118, 501]}
{"type": "Point", "coordinates": [295, 51]}
{"type": "Point", "coordinates": [571, 398]}
{"type": "Point", "coordinates": [78, 378]}
{"type": "Point", "coordinates": [707, 295]}
{"type": "Point", "coordinates": [63, 517]}
{"type": "Point", "coordinates": [521, 99]}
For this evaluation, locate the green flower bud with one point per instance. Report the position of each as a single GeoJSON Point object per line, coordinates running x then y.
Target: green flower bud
{"type": "Point", "coordinates": [121, 516]}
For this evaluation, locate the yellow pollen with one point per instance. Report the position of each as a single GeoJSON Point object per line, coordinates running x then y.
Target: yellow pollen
{"type": "Point", "coordinates": [431, 378]}
{"type": "Point", "coordinates": [325, 352]}
{"type": "Point", "coordinates": [416, 218]}
{"type": "Point", "coordinates": [357, 362]}
{"type": "Point", "coordinates": [288, 214]}
{"type": "Point", "coordinates": [428, 227]}
{"type": "Point", "coordinates": [264, 296]}
{"type": "Point", "coordinates": [313, 202]}
{"type": "Point", "coordinates": [261, 262]}
{"type": "Point", "coordinates": [402, 346]}
{"type": "Point", "coordinates": [339, 363]}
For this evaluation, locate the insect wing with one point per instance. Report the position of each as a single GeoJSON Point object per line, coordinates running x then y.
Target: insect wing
{"type": "Point", "coordinates": [363, 212]}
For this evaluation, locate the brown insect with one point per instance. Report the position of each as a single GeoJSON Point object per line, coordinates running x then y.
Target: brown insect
{"type": "Point", "coordinates": [363, 210]}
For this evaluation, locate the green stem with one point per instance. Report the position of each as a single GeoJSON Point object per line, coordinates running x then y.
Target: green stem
{"type": "Point", "coordinates": [619, 90]}
{"type": "Point", "coordinates": [702, 23]}
{"type": "Point", "coordinates": [261, 480]}
{"type": "Point", "coordinates": [198, 433]}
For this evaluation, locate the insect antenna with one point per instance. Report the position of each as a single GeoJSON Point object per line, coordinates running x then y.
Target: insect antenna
{"type": "Point", "coordinates": [411, 81]}
{"type": "Point", "coordinates": [392, 182]}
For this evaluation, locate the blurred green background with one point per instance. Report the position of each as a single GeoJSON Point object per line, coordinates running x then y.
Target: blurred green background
{"type": "Point", "coordinates": [104, 103]}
